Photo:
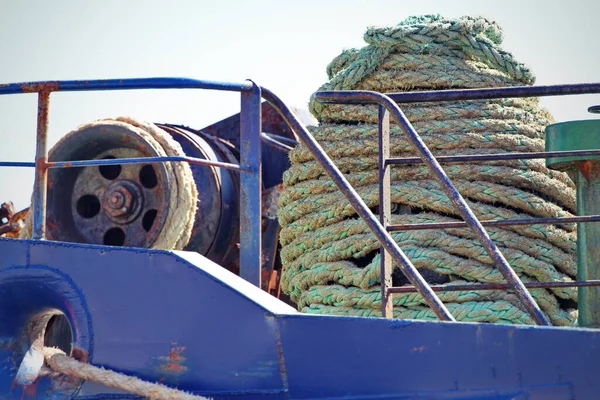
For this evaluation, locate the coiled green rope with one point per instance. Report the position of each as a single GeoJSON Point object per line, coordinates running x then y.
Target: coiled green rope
{"type": "Point", "coordinates": [330, 257]}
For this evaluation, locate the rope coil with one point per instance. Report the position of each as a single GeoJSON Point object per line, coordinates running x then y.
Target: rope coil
{"type": "Point", "coordinates": [330, 257]}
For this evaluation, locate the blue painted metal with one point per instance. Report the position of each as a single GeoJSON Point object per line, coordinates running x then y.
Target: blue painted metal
{"type": "Point", "coordinates": [194, 325]}
{"type": "Point", "coordinates": [250, 186]}
{"type": "Point", "coordinates": [453, 194]}
{"type": "Point", "coordinates": [140, 160]}
{"type": "Point", "coordinates": [122, 84]}
{"type": "Point", "coordinates": [493, 157]}
{"type": "Point", "coordinates": [495, 93]}
{"type": "Point", "coordinates": [17, 164]}
{"type": "Point", "coordinates": [239, 341]}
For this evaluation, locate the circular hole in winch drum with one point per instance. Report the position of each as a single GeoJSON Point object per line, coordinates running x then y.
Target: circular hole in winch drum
{"type": "Point", "coordinates": [58, 333]}
{"type": "Point", "coordinates": [148, 177]}
{"type": "Point", "coordinates": [148, 219]}
{"type": "Point", "coordinates": [114, 237]}
{"type": "Point", "coordinates": [110, 172]}
{"type": "Point", "coordinates": [88, 206]}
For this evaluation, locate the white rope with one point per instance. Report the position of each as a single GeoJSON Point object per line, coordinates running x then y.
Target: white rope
{"type": "Point", "coordinates": [59, 362]}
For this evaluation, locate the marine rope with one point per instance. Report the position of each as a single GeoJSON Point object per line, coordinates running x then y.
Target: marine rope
{"type": "Point", "coordinates": [59, 362]}
{"type": "Point", "coordinates": [331, 259]}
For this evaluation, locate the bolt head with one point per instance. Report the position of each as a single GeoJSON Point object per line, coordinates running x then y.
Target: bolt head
{"type": "Point", "coordinates": [120, 201]}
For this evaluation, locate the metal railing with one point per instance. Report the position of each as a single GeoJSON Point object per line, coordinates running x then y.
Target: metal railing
{"type": "Point", "coordinates": [387, 104]}
{"type": "Point", "coordinates": [250, 174]}
{"type": "Point", "coordinates": [250, 154]}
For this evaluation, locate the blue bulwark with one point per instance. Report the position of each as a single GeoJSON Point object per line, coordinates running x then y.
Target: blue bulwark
{"type": "Point", "coordinates": [178, 318]}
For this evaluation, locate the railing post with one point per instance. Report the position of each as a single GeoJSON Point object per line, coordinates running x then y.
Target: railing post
{"type": "Point", "coordinates": [41, 169]}
{"type": "Point", "coordinates": [385, 209]}
{"type": "Point", "coordinates": [250, 185]}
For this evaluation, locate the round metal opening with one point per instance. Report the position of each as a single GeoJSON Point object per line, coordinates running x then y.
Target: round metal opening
{"type": "Point", "coordinates": [58, 333]}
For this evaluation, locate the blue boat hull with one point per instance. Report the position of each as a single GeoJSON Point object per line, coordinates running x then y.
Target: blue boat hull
{"type": "Point", "coordinates": [180, 319]}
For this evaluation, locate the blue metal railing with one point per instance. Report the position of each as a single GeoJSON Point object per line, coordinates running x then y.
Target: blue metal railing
{"type": "Point", "coordinates": [387, 104]}
{"type": "Point", "coordinates": [249, 168]}
{"type": "Point", "coordinates": [250, 171]}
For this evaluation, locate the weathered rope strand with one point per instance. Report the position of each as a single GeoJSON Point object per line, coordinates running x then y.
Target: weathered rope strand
{"type": "Point", "coordinates": [60, 363]}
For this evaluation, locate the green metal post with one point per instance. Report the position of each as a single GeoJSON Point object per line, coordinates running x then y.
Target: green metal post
{"type": "Point", "coordinates": [585, 171]}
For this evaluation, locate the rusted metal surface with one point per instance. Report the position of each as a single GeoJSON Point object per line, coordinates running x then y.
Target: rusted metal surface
{"type": "Point", "coordinates": [216, 224]}
{"type": "Point", "coordinates": [385, 211]}
{"type": "Point", "coordinates": [41, 170]}
{"type": "Point", "coordinates": [271, 263]}
{"type": "Point", "coordinates": [7, 210]}
{"type": "Point", "coordinates": [250, 186]}
{"type": "Point", "coordinates": [38, 87]}
{"type": "Point", "coordinates": [118, 205]}
{"type": "Point", "coordinates": [174, 363]}
{"type": "Point", "coordinates": [11, 221]}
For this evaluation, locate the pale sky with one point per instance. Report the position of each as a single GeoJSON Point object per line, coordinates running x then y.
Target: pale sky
{"type": "Point", "coordinates": [282, 45]}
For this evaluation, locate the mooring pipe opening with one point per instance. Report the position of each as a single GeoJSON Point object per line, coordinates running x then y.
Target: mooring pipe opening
{"type": "Point", "coordinates": [48, 329]}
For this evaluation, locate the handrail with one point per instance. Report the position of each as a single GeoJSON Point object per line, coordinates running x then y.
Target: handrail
{"type": "Point", "coordinates": [366, 97]}
{"type": "Point", "coordinates": [250, 168]}
{"type": "Point", "coordinates": [361, 208]}
{"type": "Point", "coordinates": [250, 159]}
{"type": "Point", "coordinates": [495, 93]}
{"type": "Point", "coordinates": [123, 84]}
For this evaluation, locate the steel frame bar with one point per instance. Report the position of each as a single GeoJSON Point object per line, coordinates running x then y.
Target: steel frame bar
{"type": "Point", "coordinates": [123, 84]}
{"type": "Point", "coordinates": [141, 160]}
{"type": "Point", "coordinates": [494, 93]}
{"type": "Point", "coordinates": [385, 210]}
{"type": "Point", "coordinates": [453, 194]}
{"type": "Point", "coordinates": [361, 208]}
{"type": "Point", "coordinates": [494, 222]}
{"type": "Point", "coordinates": [40, 189]}
{"type": "Point", "coordinates": [496, 286]}
{"type": "Point", "coordinates": [495, 157]}
{"type": "Point", "coordinates": [250, 186]}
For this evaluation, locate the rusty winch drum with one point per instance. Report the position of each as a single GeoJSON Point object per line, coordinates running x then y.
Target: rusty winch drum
{"type": "Point", "coordinates": [127, 204]}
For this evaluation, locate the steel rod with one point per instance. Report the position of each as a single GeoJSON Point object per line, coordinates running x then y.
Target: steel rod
{"type": "Point", "coordinates": [275, 143]}
{"type": "Point", "coordinates": [495, 286]}
{"type": "Point", "coordinates": [140, 160]}
{"type": "Point", "coordinates": [495, 157]}
{"type": "Point", "coordinates": [385, 210]}
{"type": "Point", "coordinates": [453, 194]}
{"type": "Point", "coordinates": [41, 170]}
{"type": "Point", "coordinates": [27, 164]}
{"type": "Point", "coordinates": [361, 208]}
{"type": "Point", "coordinates": [250, 186]}
{"type": "Point", "coordinates": [122, 84]}
{"type": "Point", "coordinates": [497, 222]}
{"type": "Point", "coordinates": [495, 93]}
